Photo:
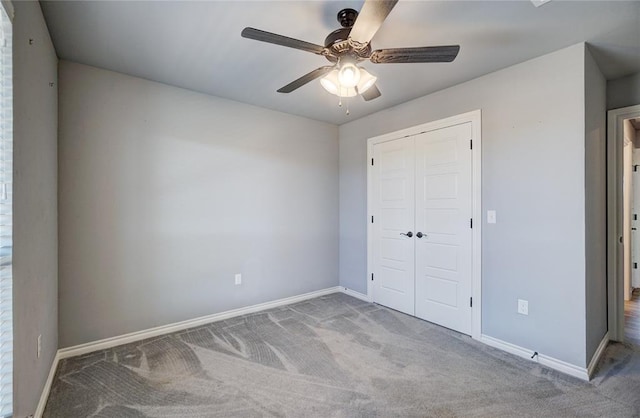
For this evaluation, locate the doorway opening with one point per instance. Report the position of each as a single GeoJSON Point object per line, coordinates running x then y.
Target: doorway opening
{"type": "Point", "coordinates": [623, 224]}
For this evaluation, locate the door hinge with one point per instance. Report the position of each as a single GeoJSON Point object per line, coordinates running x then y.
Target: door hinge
{"type": "Point", "coordinates": [372, 161]}
{"type": "Point", "coordinates": [635, 265]}
{"type": "Point", "coordinates": [371, 276]}
{"type": "Point", "coordinates": [471, 223]}
{"type": "Point", "coordinates": [371, 218]}
{"type": "Point", "coordinates": [471, 302]}
{"type": "Point", "coordinates": [471, 144]}
{"type": "Point", "coordinates": [635, 167]}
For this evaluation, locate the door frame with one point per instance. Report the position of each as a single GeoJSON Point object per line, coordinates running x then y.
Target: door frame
{"type": "Point", "coordinates": [615, 271]}
{"type": "Point", "coordinates": [475, 117]}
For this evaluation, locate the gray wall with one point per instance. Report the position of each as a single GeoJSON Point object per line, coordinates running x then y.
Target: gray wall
{"type": "Point", "coordinates": [165, 194]}
{"type": "Point", "coordinates": [533, 169]}
{"type": "Point", "coordinates": [35, 233]}
{"type": "Point", "coordinates": [623, 92]}
{"type": "Point", "coordinates": [595, 87]}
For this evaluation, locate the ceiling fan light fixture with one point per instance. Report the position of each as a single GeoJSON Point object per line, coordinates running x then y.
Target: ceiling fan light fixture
{"type": "Point", "coordinates": [346, 47]}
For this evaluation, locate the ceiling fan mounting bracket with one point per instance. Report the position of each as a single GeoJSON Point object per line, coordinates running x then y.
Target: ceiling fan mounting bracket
{"type": "Point", "coordinates": [347, 17]}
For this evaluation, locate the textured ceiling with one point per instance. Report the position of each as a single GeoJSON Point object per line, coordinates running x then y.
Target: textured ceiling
{"type": "Point", "coordinates": [197, 45]}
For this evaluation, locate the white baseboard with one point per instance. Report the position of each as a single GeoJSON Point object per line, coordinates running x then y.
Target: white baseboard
{"type": "Point", "coordinates": [553, 363]}
{"type": "Point", "coordinates": [81, 349]}
{"type": "Point", "coordinates": [597, 355]}
{"type": "Point", "coordinates": [355, 294]}
{"type": "Point", "coordinates": [190, 323]}
{"type": "Point", "coordinates": [47, 386]}
{"type": "Point", "coordinates": [167, 329]}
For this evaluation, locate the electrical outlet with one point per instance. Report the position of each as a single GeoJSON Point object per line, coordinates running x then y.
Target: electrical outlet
{"type": "Point", "coordinates": [39, 345]}
{"type": "Point", "coordinates": [238, 278]}
{"type": "Point", "coordinates": [523, 307]}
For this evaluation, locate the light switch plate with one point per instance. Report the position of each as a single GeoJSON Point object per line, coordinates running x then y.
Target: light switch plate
{"type": "Point", "coordinates": [491, 216]}
{"type": "Point", "coordinates": [238, 278]}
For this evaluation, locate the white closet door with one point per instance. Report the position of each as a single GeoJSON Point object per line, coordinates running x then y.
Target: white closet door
{"type": "Point", "coordinates": [443, 214]}
{"type": "Point", "coordinates": [394, 205]}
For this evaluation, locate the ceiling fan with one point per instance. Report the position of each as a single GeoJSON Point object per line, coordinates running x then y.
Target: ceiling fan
{"type": "Point", "coordinates": [347, 47]}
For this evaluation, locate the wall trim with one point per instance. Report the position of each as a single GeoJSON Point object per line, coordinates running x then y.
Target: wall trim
{"type": "Point", "coordinates": [597, 355]}
{"type": "Point", "coordinates": [90, 347]}
{"type": "Point", "coordinates": [475, 117]}
{"type": "Point", "coordinates": [189, 323]}
{"type": "Point", "coordinates": [47, 386]}
{"type": "Point", "coordinates": [355, 294]}
{"type": "Point", "coordinates": [526, 353]}
{"type": "Point", "coordinates": [86, 348]}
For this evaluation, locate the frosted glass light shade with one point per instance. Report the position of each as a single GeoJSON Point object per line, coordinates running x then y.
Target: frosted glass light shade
{"type": "Point", "coordinates": [349, 75]}
{"type": "Point", "coordinates": [366, 80]}
{"type": "Point", "coordinates": [331, 83]}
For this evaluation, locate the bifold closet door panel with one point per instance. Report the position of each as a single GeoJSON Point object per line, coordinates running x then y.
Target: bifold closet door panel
{"type": "Point", "coordinates": [443, 214]}
{"type": "Point", "coordinates": [394, 211]}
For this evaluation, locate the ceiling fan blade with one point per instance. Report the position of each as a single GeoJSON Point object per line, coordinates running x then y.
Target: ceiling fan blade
{"type": "Point", "coordinates": [371, 93]}
{"type": "Point", "coordinates": [369, 20]}
{"type": "Point", "coordinates": [419, 54]}
{"type": "Point", "coordinates": [274, 38]}
{"type": "Point", "coordinates": [318, 72]}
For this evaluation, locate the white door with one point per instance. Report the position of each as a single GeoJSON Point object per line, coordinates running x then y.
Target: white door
{"type": "Point", "coordinates": [393, 199]}
{"type": "Point", "coordinates": [635, 220]}
{"type": "Point", "coordinates": [443, 227]}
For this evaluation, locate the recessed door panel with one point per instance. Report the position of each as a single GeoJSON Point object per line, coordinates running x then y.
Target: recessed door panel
{"type": "Point", "coordinates": [392, 280]}
{"type": "Point", "coordinates": [393, 250]}
{"type": "Point", "coordinates": [441, 256]}
{"type": "Point", "coordinates": [441, 186]}
{"type": "Point", "coordinates": [441, 152]}
{"type": "Point", "coordinates": [444, 292]}
{"type": "Point", "coordinates": [442, 221]}
{"type": "Point", "coordinates": [394, 219]}
{"type": "Point", "coordinates": [393, 190]}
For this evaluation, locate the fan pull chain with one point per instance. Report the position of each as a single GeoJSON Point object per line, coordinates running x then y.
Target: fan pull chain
{"type": "Point", "coordinates": [346, 100]}
{"type": "Point", "coordinates": [348, 112]}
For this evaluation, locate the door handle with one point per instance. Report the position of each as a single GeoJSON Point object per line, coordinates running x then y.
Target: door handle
{"type": "Point", "coordinates": [408, 234]}
{"type": "Point", "coordinates": [420, 235]}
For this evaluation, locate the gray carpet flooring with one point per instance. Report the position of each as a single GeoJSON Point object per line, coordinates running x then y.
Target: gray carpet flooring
{"type": "Point", "coordinates": [333, 356]}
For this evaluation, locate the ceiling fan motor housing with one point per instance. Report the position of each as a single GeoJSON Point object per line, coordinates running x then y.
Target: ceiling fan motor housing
{"type": "Point", "coordinates": [338, 40]}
